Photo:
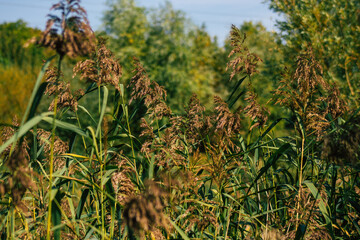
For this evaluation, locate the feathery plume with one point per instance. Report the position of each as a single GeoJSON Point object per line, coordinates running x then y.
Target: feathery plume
{"type": "Point", "coordinates": [244, 62]}
{"type": "Point", "coordinates": [68, 33]}
{"type": "Point", "coordinates": [144, 212]}
{"type": "Point", "coordinates": [103, 68]}
{"type": "Point", "coordinates": [153, 94]}
{"type": "Point", "coordinates": [255, 111]}
{"type": "Point", "coordinates": [57, 87]}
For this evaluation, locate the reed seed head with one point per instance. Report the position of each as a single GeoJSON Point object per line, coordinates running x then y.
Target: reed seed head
{"type": "Point", "coordinates": [145, 211]}
{"type": "Point", "coordinates": [255, 111]}
{"type": "Point", "coordinates": [68, 32]}
{"type": "Point", "coordinates": [151, 92]}
{"type": "Point", "coordinates": [244, 62]}
{"type": "Point", "coordinates": [103, 68]}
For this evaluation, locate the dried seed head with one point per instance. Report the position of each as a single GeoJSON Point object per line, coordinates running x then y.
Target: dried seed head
{"type": "Point", "coordinates": [244, 61]}
{"type": "Point", "coordinates": [166, 148]}
{"type": "Point", "coordinates": [226, 121]}
{"type": "Point", "coordinates": [308, 212]}
{"type": "Point", "coordinates": [145, 212]}
{"type": "Point", "coordinates": [196, 124]}
{"type": "Point", "coordinates": [310, 96]}
{"type": "Point", "coordinates": [195, 113]}
{"type": "Point", "coordinates": [19, 158]}
{"type": "Point", "coordinates": [122, 184]}
{"type": "Point", "coordinates": [103, 68]}
{"type": "Point", "coordinates": [255, 111]}
{"type": "Point", "coordinates": [7, 132]}
{"type": "Point", "coordinates": [272, 234]}
{"type": "Point", "coordinates": [294, 91]}
{"type": "Point", "coordinates": [19, 180]}
{"type": "Point", "coordinates": [60, 147]}
{"type": "Point", "coordinates": [200, 219]}
{"type": "Point", "coordinates": [68, 33]}
{"type": "Point", "coordinates": [336, 106]}
{"type": "Point", "coordinates": [153, 94]}
{"type": "Point", "coordinates": [308, 74]}
{"type": "Point", "coordinates": [60, 88]}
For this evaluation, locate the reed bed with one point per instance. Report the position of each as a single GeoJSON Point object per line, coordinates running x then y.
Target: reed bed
{"type": "Point", "coordinates": [106, 171]}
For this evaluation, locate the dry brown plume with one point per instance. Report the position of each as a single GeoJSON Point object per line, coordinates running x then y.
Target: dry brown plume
{"type": "Point", "coordinates": [68, 32]}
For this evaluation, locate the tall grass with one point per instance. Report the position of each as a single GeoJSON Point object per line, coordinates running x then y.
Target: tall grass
{"type": "Point", "coordinates": [200, 175]}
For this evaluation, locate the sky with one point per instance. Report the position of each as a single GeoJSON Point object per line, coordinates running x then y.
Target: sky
{"type": "Point", "coordinates": [217, 15]}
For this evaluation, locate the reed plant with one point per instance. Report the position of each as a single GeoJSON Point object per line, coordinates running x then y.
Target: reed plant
{"type": "Point", "coordinates": [204, 174]}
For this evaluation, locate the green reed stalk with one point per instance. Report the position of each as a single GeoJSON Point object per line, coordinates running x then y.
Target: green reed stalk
{"type": "Point", "coordinates": [82, 137]}
{"type": "Point", "coordinates": [12, 222]}
{"type": "Point", "coordinates": [48, 227]}
{"type": "Point", "coordinates": [51, 171]}
{"type": "Point", "coordinates": [125, 109]}
{"type": "Point", "coordinates": [300, 179]}
{"type": "Point", "coordinates": [101, 174]}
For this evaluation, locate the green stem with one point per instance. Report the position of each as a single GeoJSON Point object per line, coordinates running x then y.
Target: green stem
{"type": "Point", "coordinates": [300, 180]}
{"type": "Point", "coordinates": [101, 175]}
{"type": "Point", "coordinates": [82, 137]}
{"type": "Point", "coordinates": [125, 109]}
{"type": "Point", "coordinates": [51, 171]}
{"type": "Point", "coordinates": [48, 228]}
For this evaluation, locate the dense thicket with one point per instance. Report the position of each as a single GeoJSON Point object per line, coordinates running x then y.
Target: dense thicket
{"type": "Point", "coordinates": [130, 142]}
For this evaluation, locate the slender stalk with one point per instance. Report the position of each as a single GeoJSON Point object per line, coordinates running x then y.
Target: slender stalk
{"type": "Point", "coordinates": [51, 171]}
{"type": "Point", "coordinates": [130, 136]}
{"type": "Point", "coordinates": [101, 175]}
{"type": "Point", "coordinates": [12, 222]}
{"type": "Point", "coordinates": [348, 79]}
{"type": "Point", "coordinates": [48, 228]}
{"type": "Point", "coordinates": [82, 137]}
{"type": "Point", "coordinates": [300, 179]}
{"type": "Point", "coordinates": [228, 221]}
{"type": "Point", "coordinates": [102, 201]}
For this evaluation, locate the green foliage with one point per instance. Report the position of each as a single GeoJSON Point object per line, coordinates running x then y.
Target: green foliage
{"type": "Point", "coordinates": [15, 46]}
{"type": "Point", "coordinates": [331, 29]}
{"type": "Point", "coordinates": [20, 61]}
